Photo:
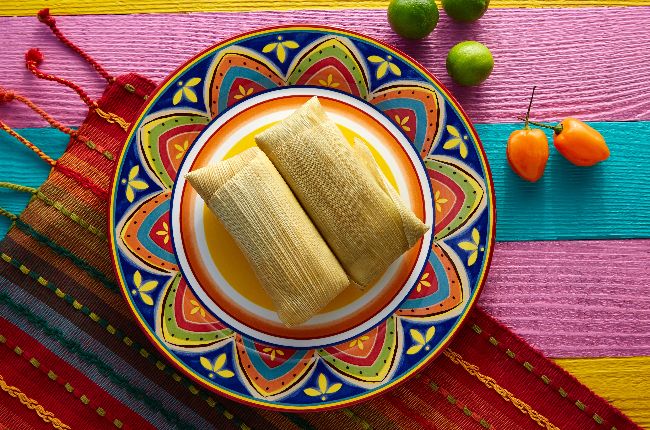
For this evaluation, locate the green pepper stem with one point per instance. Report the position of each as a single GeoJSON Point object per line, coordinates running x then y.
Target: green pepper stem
{"type": "Point", "coordinates": [557, 128]}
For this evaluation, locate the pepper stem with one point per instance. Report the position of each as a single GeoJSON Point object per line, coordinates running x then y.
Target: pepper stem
{"type": "Point", "coordinates": [557, 128]}
{"type": "Point", "coordinates": [526, 126]}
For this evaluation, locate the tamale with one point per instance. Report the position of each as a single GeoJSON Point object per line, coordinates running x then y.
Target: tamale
{"type": "Point", "coordinates": [288, 255]}
{"type": "Point", "coordinates": [356, 210]}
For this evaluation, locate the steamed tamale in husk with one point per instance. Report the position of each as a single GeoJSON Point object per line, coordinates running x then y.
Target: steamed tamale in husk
{"type": "Point", "coordinates": [356, 210]}
{"type": "Point", "coordinates": [288, 255]}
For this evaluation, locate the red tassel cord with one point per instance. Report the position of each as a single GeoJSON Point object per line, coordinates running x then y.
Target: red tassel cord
{"type": "Point", "coordinates": [44, 17]}
{"type": "Point", "coordinates": [33, 57]}
{"type": "Point", "coordinates": [7, 96]}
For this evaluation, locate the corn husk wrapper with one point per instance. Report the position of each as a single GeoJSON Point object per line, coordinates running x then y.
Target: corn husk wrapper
{"type": "Point", "coordinates": [288, 255]}
{"type": "Point", "coordinates": [357, 211]}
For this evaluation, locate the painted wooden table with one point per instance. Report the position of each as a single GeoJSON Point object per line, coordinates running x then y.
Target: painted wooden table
{"type": "Point", "coordinates": [571, 269]}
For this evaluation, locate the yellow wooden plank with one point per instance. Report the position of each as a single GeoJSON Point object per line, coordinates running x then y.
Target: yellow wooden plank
{"type": "Point", "coordinates": [102, 7]}
{"type": "Point", "coordinates": [623, 381]}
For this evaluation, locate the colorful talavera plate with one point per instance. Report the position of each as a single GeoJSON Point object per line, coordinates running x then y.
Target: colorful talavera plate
{"type": "Point", "coordinates": [192, 291]}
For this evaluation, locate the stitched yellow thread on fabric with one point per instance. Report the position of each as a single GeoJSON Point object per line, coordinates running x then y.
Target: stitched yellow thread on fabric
{"type": "Point", "coordinates": [363, 423]}
{"type": "Point", "coordinates": [85, 400]}
{"type": "Point", "coordinates": [544, 378]}
{"type": "Point", "coordinates": [94, 230]}
{"type": "Point", "coordinates": [57, 205]}
{"type": "Point", "coordinates": [3, 339]}
{"type": "Point", "coordinates": [68, 387]}
{"type": "Point", "coordinates": [32, 404]}
{"type": "Point", "coordinates": [112, 118]}
{"type": "Point", "coordinates": [118, 424]}
{"type": "Point", "coordinates": [101, 412]}
{"type": "Point", "coordinates": [505, 394]}
{"type": "Point", "coordinates": [34, 362]}
{"type": "Point", "coordinates": [18, 351]}
{"type": "Point", "coordinates": [53, 376]}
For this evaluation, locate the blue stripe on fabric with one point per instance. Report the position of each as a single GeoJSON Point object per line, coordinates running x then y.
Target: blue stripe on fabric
{"type": "Point", "coordinates": [605, 201]}
{"type": "Point", "coordinates": [89, 344]}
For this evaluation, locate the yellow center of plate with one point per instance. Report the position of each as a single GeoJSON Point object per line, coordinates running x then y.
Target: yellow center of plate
{"type": "Point", "coordinates": [231, 262]}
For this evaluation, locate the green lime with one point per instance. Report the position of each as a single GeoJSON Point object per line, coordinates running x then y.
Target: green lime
{"type": "Point", "coordinates": [465, 10]}
{"type": "Point", "coordinates": [413, 19]}
{"type": "Point", "coordinates": [469, 63]}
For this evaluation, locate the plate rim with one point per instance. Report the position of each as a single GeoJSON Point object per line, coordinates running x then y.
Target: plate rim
{"type": "Point", "coordinates": [392, 384]}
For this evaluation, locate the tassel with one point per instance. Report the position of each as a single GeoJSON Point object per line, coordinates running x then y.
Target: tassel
{"type": "Point", "coordinates": [44, 17]}
{"type": "Point", "coordinates": [8, 96]}
{"type": "Point", "coordinates": [34, 56]}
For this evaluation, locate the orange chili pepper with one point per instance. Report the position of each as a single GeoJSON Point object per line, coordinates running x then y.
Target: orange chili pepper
{"type": "Point", "coordinates": [527, 150]}
{"type": "Point", "coordinates": [578, 142]}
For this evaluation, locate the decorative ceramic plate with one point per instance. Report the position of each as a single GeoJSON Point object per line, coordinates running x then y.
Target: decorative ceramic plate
{"type": "Point", "coordinates": [190, 287]}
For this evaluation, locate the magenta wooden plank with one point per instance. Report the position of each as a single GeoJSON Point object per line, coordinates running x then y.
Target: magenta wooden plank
{"type": "Point", "coordinates": [590, 63]}
{"type": "Point", "coordinates": [586, 298]}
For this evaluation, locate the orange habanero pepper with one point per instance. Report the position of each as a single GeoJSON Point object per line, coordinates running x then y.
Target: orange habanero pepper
{"type": "Point", "coordinates": [578, 142]}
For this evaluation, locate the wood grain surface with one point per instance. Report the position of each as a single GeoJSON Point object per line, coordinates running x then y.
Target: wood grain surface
{"type": "Point", "coordinates": [80, 7]}
{"type": "Point", "coordinates": [623, 382]}
{"type": "Point", "coordinates": [589, 63]}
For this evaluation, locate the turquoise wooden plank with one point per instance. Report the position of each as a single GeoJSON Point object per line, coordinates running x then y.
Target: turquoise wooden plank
{"type": "Point", "coordinates": [605, 201]}
{"type": "Point", "coordinates": [19, 165]}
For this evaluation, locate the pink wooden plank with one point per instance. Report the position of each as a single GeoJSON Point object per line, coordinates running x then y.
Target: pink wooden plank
{"type": "Point", "coordinates": [587, 62]}
{"type": "Point", "coordinates": [573, 298]}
